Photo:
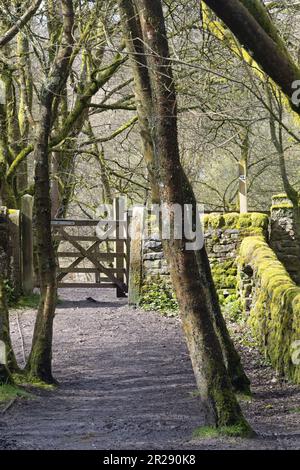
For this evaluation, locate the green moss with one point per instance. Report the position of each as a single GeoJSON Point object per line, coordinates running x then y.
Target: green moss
{"type": "Point", "coordinates": [251, 223]}
{"type": "Point", "coordinates": [231, 220]}
{"type": "Point", "coordinates": [210, 432]}
{"type": "Point", "coordinates": [28, 301]}
{"type": "Point", "coordinates": [224, 274]}
{"type": "Point", "coordinates": [281, 201]}
{"type": "Point", "coordinates": [275, 315]}
{"type": "Point", "coordinates": [9, 392]}
{"type": "Point", "coordinates": [213, 221]}
{"type": "Point", "coordinates": [280, 196]}
{"type": "Point", "coordinates": [37, 383]}
{"type": "Point", "coordinates": [23, 302]}
{"type": "Point", "coordinates": [23, 378]}
{"type": "Point", "coordinates": [237, 430]}
{"type": "Point", "coordinates": [254, 223]}
{"type": "Point", "coordinates": [244, 398]}
{"type": "Point", "coordinates": [259, 220]}
{"type": "Point", "coordinates": [205, 432]}
{"type": "Point", "coordinates": [286, 205]}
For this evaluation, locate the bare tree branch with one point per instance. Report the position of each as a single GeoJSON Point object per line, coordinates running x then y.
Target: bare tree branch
{"type": "Point", "coordinates": [14, 30]}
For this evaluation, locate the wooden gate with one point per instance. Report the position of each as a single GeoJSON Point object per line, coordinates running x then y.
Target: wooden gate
{"type": "Point", "coordinates": [82, 253]}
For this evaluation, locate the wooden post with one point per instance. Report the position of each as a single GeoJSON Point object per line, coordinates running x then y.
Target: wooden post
{"type": "Point", "coordinates": [15, 243]}
{"type": "Point", "coordinates": [27, 244]}
{"type": "Point", "coordinates": [136, 255]}
{"type": "Point", "coordinates": [3, 355]}
{"type": "Point", "coordinates": [120, 245]}
{"type": "Point", "coordinates": [243, 187]}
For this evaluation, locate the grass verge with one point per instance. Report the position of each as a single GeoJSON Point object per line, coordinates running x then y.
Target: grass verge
{"type": "Point", "coordinates": [28, 301]}
{"type": "Point", "coordinates": [9, 392]}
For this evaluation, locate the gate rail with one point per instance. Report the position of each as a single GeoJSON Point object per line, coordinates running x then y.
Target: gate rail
{"type": "Point", "coordinates": [114, 275]}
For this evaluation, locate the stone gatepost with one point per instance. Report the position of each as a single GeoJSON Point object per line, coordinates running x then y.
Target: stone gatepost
{"type": "Point", "coordinates": [136, 255]}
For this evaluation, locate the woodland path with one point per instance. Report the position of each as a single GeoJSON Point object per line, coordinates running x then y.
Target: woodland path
{"type": "Point", "coordinates": [126, 383]}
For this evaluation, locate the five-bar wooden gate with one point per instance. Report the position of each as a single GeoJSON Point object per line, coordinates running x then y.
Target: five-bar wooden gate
{"type": "Point", "coordinates": [83, 254]}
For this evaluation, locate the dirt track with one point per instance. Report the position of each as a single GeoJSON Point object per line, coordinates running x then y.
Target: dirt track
{"type": "Point", "coordinates": [126, 383]}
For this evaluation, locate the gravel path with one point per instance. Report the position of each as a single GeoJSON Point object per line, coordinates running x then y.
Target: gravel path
{"type": "Point", "coordinates": [126, 383]}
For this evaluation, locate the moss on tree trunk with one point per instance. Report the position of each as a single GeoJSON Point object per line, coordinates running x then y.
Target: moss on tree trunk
{"type": "Point", "coordinates": [135, 46]}
{"type": "Point", "coordinates": [221, 406]}
{"type": "Point", "coordinates": [39, 365]}
{"type": "Point", "coordinates": [5, 331]}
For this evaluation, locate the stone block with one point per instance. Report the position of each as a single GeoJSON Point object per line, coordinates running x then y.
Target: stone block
{"type": "Point", "coordinates": [153, 256]}
{"type": "Point", "coordinates": [154, 245]}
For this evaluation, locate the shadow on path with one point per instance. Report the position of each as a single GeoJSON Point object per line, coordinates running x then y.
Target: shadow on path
{"type": "Point", "coordinates": [126, 382]}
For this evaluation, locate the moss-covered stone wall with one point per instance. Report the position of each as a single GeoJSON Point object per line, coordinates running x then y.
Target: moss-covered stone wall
{"type": "Point", "coordinates": [246, 268]}
{"type": "Point", "coordinates": [223, 234]}
{"type": "Point", "coordinates": [272, 303]}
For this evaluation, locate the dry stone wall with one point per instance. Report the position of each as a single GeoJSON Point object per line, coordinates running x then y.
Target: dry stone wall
{"type": "Point", "coordinates": [271, 302]}
{"type": "Point", "coordinates": [223, 234]}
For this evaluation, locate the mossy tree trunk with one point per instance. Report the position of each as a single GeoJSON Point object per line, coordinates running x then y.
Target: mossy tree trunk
{"type": "Point", "coordinates": [39, 362]}
{"type": "Point", "coordinates": [135, 47]}
{"type": "Point", "coordinates": [221, 406]}
{"type": "Point", "coordinates": [25, 119]}
{"type": "Point", "coordinates": [252, 25]}
{"type": "Point", "coordinates": [11, 364]}
{"type": "Point", "coordinates": [7, 195]}
{"type": "Point", "coordinates": [143, 99]}
{"type": "Point", "coordinates": [238, 377]}
{"type": "Point", "coordinates": [39, 365]}
{"type": "Point", "coordinates": [17, 105]}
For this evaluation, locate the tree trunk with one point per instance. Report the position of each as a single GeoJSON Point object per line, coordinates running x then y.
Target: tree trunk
{"type": "Point", "coordinates": [39, 365]}
{"type": "Point", "coordinates": [239, 379]}
{"type": "Point", "coordinates": [7, 197]}
{"type": "Point", "coordinates": [135, 47]}
{"type": "Point", "coordinates": [143, 99]}
{"type": "Point", "coordinates": [221, 406]}
{"type": "Point", "coordinates": [39, 362]}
